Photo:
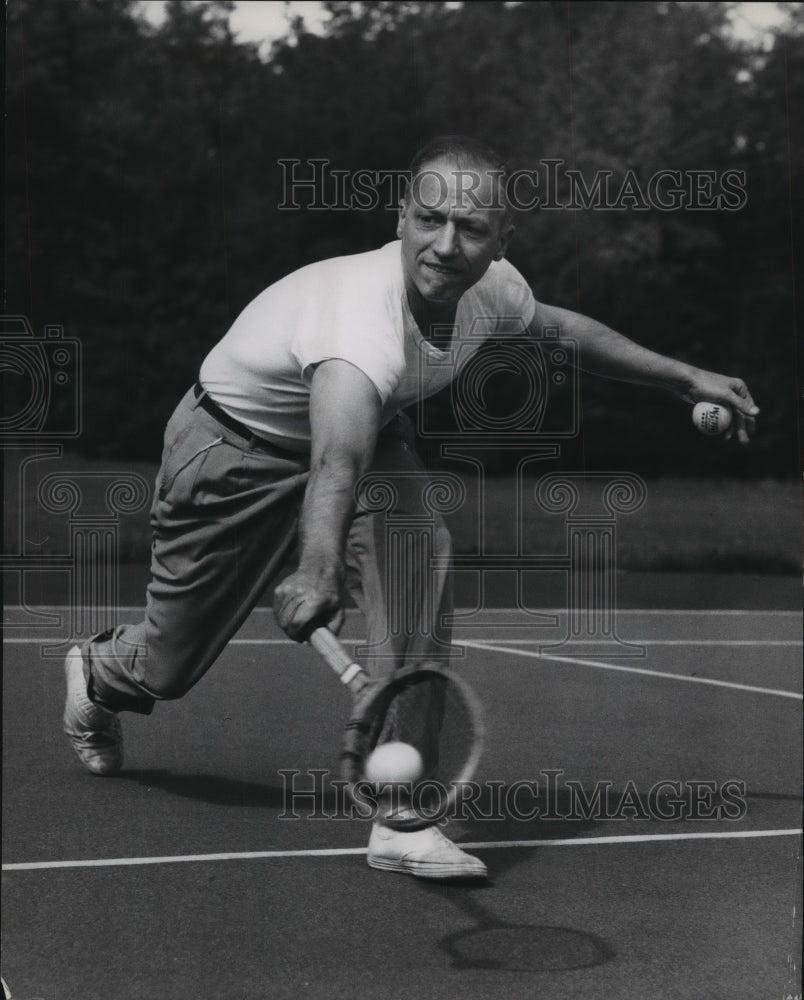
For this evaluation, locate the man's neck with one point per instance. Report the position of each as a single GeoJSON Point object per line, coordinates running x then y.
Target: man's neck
{"type": "Point", "coordinates": [434, 319]}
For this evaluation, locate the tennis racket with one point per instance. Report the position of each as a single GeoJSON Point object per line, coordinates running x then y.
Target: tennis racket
{"type": "Point", "coordinates": [424, 705]}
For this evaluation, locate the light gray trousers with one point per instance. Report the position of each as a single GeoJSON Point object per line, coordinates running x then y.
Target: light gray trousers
{"type": "Point", "coordinates": [225, 522]}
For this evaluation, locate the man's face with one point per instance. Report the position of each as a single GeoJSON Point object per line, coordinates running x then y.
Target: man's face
{"type": "Point", "coordinates": [452, 227]}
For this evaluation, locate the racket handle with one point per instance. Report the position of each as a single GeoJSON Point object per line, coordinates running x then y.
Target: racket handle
{"type": "Point", "coordinates": [332, 652]}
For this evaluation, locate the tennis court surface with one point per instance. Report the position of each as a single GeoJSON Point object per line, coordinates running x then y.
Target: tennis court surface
{"type": "Point", "coordinates": [639, 815]}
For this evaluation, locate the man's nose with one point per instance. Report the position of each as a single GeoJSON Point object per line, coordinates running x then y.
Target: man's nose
{"type": "Point", "coordinates": [446, 245]}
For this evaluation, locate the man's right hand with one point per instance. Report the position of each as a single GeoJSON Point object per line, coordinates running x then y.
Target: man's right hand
{"type": "Point", "coordinates": [304, 601]}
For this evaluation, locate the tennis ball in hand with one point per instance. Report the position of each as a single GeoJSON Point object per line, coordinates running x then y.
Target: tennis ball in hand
{"type": "Point", "coordinates": [711, 418]}
{"type": "Point", "coordinates": [394, 763]}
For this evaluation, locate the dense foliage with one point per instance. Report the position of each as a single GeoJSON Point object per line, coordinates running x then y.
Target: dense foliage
{"type": "Point", "coordinates": [144, 183]}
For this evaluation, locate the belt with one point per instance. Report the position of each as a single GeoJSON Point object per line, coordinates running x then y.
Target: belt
{"type": "Point", "coordinates": [232, 423]}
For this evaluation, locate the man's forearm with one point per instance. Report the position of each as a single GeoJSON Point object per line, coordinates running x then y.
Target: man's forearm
{"type": "Point", "coordinates": [603, 351]}
{"type": "Point", "coordinates": [344, 419]}
{"type": "Point", "coordinates": [329, 504]}
{"type": "Point", "coordinates": [344, 422]}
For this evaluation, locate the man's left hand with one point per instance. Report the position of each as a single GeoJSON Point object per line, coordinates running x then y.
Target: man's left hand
{"type": "Point", "coordinates": [709, 387]}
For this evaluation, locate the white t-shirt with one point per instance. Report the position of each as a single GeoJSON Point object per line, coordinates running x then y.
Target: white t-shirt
{"type": "Point", "coordinates": [355, 309]}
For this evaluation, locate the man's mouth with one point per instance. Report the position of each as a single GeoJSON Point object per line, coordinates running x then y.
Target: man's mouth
{"type": "Point", "coordinates": [442, 268]}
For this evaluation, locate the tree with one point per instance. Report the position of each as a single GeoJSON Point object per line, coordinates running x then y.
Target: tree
{"type": "Point", "coordinates": [145, 181]}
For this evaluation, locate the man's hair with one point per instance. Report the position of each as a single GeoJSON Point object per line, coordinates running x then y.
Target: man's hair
{"type": "Point", "coordinates": [466, 153]}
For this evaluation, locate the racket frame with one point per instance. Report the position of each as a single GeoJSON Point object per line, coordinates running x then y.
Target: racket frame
{"type": "Point", "coordinates": [368, 694]}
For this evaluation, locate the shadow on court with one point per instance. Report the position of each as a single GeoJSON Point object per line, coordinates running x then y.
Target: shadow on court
{"type": "Point", "coordinates": [213, 789]}
{"type": "Point", "coordinates": [498, 943]}
{"type": "Point", "coordinates": [504, 946]}
{"type": "Point", "coordinates": [486, 821]}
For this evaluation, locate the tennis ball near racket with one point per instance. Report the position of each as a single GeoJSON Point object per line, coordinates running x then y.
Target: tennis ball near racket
{"type": "Point", "coordinates": [394, 763]}
{"type": "Point", "coordinates": [711, 418]}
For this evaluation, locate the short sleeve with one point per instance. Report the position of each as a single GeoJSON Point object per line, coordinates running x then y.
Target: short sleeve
{"type": "Point", "coordinates": [517, 305]}
{"type": "Point", "coordinates": [350, 316]}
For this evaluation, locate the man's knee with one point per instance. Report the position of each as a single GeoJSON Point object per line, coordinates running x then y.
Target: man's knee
{"type": "Point", "coordinates": [157, 673]}
{"type": "Point", "coordinates": [167, 688]}
{"type": "Point", "coordinates": [168, 675]}
{"type": "Point", "coordinates": [427, 548]}
{"type": "Point", "coordinates": [442, 538]}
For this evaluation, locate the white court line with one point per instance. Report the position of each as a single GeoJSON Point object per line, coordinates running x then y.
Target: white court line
{"type": "Point", "coordinates": [484, 645]}
{"type": "Point", "coordinates": [469, 640]}
{"type": "Point", "coordinates": [633, 670]}
{"type": "Point", "coordinates": [27, 640]}
{"type": "Point", "coordinates": [628, 611]}
{"type": "Point", "coordinates": [333, 852]}
{"type": "Point", "coordinates": [642, 642]}
{"type": "Point", "coordinates": [530, 612]}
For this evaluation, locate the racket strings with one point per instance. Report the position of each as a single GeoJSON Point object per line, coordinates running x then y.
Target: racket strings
{"type": "Point", "coordinates": [430, 712]}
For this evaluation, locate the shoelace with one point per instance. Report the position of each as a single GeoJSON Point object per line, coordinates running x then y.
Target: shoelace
{"type": "Point", "coordinates": [96, 737]}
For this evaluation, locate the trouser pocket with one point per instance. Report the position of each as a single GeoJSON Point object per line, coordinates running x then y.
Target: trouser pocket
{"type": "Point", "coordinates": [182, 453]}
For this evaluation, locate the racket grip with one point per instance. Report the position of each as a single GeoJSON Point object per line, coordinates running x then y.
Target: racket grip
{"type": "Point", "coordinates": [333, 653]}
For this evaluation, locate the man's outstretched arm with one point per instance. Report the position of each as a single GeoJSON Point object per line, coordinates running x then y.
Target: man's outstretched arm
{"type": "Point", "coordinates": [344, 420]}
{"type": "Point", "coordinates": [603, 351]}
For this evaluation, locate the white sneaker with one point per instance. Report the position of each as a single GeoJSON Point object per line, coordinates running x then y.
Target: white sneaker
{"type": "Point", "coordinates": [93, 731]}
{"type": "Point", "coordinates": [424, 853]}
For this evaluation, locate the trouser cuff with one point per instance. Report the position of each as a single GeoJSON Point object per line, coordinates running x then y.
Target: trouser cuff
{"type": "Point", "coordinates": [109, 698]}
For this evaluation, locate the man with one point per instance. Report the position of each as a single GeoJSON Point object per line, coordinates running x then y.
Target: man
{"type": "Point", "coordinates": [294, 405]}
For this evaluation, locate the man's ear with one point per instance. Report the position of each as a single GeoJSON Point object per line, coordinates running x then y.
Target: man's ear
{"type": "Point", "coordinates": [401, 218]}
{"type": "Point", "coordinates": [504, 239]}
